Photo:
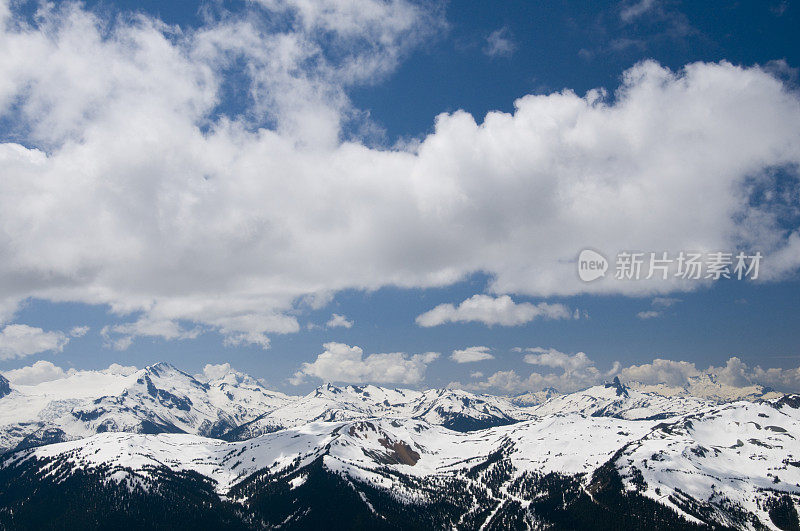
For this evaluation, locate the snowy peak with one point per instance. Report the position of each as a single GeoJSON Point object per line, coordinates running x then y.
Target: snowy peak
{"type": "Point", "coordinates": [5, 387]}
{"type": "Point", "coordinates": [617, 386]}
{"type": "Point", "coordinates": [463, 411]}
{"type": "Point", "coordinates": [157, 399]}
{"type": "Point", "coordinates": [617, 400]}
{"type": "Point", "coordinates": [708, 387]}
{"type": "Point", "coordinates": [534, 398]}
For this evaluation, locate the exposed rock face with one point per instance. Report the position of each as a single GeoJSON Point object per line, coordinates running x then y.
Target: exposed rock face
{"type": "Point", "coordinates": [5, 387]}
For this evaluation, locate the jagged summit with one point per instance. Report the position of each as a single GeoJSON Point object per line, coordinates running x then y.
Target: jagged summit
{"type": "Point", "coordinates": [615, 384]}
{"type": "Point", "coordinates": [5, 387]}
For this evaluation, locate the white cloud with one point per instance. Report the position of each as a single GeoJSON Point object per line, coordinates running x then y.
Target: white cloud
{"type": "Point", "coordinates": [550, 357]}
{"type": "Point", "coordinates": [337, 320]}
{"type": "Point", "coordinates": [735, 373]}
{"type": "Point", "coordinates": [490, 310]}
{"type": "Point", "coordinates": [665, 302]}
{"type": "Point", "coordinates": [636, 9]}
{"type": "Point", "coordinates": [648, 314]}
{"type": "Point", "coordinates": [499, 43]}
{"type": "Point", "coordinates": [476, 374]}
{"type": "Point", "coordinates": [79, 331]}
{"type": "Point", "coordinates": [40, 371]}
{"type": "Point", "coordinates": [659, 304]}
{"type": "Point", "coordinates": [124, 370]}
{"type": "Point", "coordinates": [19, 340]}
{"type": "Point", "coordinates": [673, 373]}
{"type": "Point", "coordinates": [471, 354]}
{"type": "Point", "coordinates": [128, 188]}
{"type": "Point", "coordinates": [343, 363]}
{"type": "Point", "coordinates": [212, 371]}
{"type": "Point", "coordinates": [576, 372]}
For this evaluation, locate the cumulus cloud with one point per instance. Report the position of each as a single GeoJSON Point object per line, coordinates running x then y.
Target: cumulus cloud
{"type": "Point", "coordinates": [471, 354]}
{"type": "Point", "coordinates": [19, 340]}
{"type": "Point", "coordinates": [343, 363]}
{"type": "Point", "coordinates": [490, 310]}
{"type": "Point", "coordinates": [132, 185]}
{"type": "Point", "coordinates": [337, 321]}
{"type": "Point", "coordinates": [499, 43]}
{"type": "Point", "coordinates": [212, 371]}
{"type": "Point", "coordinates": [674, 373]}
{"type": "Point", "coordinates": [573, 372]}
{"type": "Point", "coordinates": [40, 371]}
{"type": "Point", "coordinates": [550, 357]}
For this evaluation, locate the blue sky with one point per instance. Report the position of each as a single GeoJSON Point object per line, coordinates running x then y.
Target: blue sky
{"type": "Point", "coordinates": [190, 261]}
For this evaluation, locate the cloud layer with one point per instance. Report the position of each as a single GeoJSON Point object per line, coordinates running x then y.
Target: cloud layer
{"type": "Point", "coordinates": [135, 180]}
{"type": "Point", "coordinates": [577, 371]}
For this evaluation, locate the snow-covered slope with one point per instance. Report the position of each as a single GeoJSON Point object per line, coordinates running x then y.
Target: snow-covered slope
{"type": "Point", "coordinates": [728, 465]}
{"type": "Point", "coordinates": [454, 409]}
{"type": "Point", "coordinates": [463, 411]}
{"type": "Point", "coordinates": [610, 453]}
{"type": "Point", "coordinates": [708, 387]}
{"type": "Point", "coordinates": [361, 449]}
{"type": "Point", "coordinates": [724, 464]}
{"type": "Point", "coordinates": [534, 398]}
{"type": "Point", "coordinates": [233, 406]}
{"type": "Point", "coordinates": [159, 398]}
{"type": "Point", "coordinates": [617, 400]}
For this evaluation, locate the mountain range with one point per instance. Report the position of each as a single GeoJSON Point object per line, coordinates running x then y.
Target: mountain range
{"type": "Point", "coordinates": [159, 447]}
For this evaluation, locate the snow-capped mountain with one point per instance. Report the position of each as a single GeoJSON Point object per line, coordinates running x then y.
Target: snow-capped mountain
{"type": "Point", "coordinates": [728, 464]}
{"type": "Point", "coordinates": [157, 399]}
{"type": "Point", "coordinates": [230, 453]}
{"type": "Point", "coordinates": [451, 408]}
{"type": "Point", "coordinates": [534, 398]}
{"type": "Point", "coordinates": [233, 406]}
{"type": "Point", "coordinates": [617, 400]}
{"type": "Point", "coordinates": [731, 466]}
{"type": "Point", "coordinates": [709, 387]}
{"type": "Point", "coordinates": [5, 387]}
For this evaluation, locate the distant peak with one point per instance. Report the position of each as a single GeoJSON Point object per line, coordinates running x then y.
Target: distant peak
{"type": "Point", "coordinates": [616, 384]}
{"type": "Point", "coordinates": [328, 388]}
{"type": "Point", "coordinates": [5, 388]}
{"type": "Point", "coordinates": [161, 366]}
